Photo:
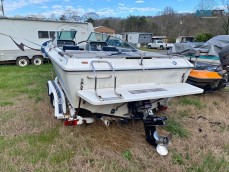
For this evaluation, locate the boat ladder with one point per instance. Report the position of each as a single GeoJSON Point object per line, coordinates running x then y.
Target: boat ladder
{"type": "Point", "coordinates": [118, 96]}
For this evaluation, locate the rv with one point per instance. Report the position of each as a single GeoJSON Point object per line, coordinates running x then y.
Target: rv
{"type": "Point", "coordinates": [21, 39]}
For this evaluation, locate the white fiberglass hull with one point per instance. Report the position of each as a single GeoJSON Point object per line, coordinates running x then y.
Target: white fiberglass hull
{"type": "Point", "coordinates": [77, 78]}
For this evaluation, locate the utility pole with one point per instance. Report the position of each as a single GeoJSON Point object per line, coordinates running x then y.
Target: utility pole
{"type": "Point", "coordinates": [2, 7]}
{"type": "Point", "coordinates": [180, 24]}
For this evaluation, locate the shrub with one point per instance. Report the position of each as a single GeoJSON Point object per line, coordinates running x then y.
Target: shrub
{"type": "Point", "coordinates": [203, 37]}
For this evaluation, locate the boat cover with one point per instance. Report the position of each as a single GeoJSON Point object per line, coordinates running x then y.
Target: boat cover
{"type": "Point", "coordinates": [212, 47]}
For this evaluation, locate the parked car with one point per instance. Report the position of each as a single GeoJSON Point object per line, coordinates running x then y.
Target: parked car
{"type": "Point", "coordinates": [159, 44]}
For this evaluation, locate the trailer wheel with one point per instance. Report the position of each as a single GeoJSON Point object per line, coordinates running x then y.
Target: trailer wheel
{"type": "Point", "coordinates": [37, 60]}
{"type": "Point", "coordinates": [22, 61]}
{"type": "Point", "coordinates": [52, 100]}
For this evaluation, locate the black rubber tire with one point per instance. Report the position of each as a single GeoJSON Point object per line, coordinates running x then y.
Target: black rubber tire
{"type": "Point", "coordinates": [149, 47]}
{"type": "Point", "coordinates": [22, 61]}
{"type": "Point", "coordinates": [52, 100]}
{"type": "Point", "coordinates": [161, 47]}
{"type": "Point", "coordinates": [37, 60]}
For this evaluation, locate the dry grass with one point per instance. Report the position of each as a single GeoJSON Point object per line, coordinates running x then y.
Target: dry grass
{"type": "Point", "coordinates": [31, 139]}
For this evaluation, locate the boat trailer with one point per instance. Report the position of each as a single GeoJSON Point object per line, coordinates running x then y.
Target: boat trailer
{"type": "Point", "coordinates": [139, 110]}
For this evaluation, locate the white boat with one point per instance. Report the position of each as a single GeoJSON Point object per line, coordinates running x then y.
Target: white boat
{"type": "Point", "coordinates": [122, 82]}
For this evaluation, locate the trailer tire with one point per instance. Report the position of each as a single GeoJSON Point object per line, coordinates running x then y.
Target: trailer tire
{"type": "Point", "coordinates": [52, 100]}
{"type": "Point", "coordinates": [22, 61]}
{"type": "Point", "coordinates": [37, 60]}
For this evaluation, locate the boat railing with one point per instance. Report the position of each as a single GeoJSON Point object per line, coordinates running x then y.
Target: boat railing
{"type": "Point", "coordinates": [142, 57]}
{"type": "Point", "coordinates": [118, 96]}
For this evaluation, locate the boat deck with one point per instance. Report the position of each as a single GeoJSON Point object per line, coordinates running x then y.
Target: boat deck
{"type": "Point", "coordinates": [137, 93]}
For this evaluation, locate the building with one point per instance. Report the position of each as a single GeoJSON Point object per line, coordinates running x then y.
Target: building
{"type": "Point", "coordinates": [104, 29]}
{"type": "Point", "coordinates": [184, 39]}
{"type": "Point", "coordinates": [138, 38]}
{"type": "Point", "coordinates": [163, 38]}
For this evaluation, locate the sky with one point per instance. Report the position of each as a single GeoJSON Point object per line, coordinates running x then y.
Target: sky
{"type": "Point", "coordinates": [104, 8]}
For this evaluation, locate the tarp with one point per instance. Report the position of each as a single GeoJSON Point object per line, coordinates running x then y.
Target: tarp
{"type": "Point", "coordinates": [211, 47]}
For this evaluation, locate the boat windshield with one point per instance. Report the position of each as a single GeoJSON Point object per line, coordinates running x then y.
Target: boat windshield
{"type": "Point", "coordinates": [98, 37]}
{"type": "Point", "coordinates": [111, 41]}
{"type": "Point", "coordinates": [67, 35]}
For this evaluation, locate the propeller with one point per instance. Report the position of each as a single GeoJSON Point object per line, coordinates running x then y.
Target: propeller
{"type": "Point", "coordinates": [162, 143]}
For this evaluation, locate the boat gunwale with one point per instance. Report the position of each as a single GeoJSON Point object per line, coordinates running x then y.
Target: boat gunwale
{"type": "Point", "coordinates": [70, 70]}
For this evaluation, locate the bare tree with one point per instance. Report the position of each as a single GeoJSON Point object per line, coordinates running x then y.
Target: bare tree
{"type": "Point", "coordinates": [168, 11]}
{"type": "Point", "coordinates": [63, 17]}
{"type": "Point", "coordinates": [53, 16]}
{"type": "Point", "coordinates": [212, 5]}
{"type": "Point", "coordinates": [72, 15]}
{"type": "Point", "coordinates": [2, 9]}
{"type": "Point", "coordinates": [206, 4]}
{"type": "Point", "coordinates": [169, 22]}
{"type": "Point", "coordinates": [226, 16]}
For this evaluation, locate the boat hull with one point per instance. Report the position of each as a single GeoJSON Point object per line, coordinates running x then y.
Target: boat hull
{"type": "Point", "coordinates": [204, 79]}
{"type": "Point", "coordinates": [73, 81]}
{"type": "Point", "coordinates": [83, 75]}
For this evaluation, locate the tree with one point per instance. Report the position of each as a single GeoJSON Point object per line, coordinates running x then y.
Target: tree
{"type": "Point", "coordinates": [168, 11]}
{"type": "Point", "coordinates": [226, 16]}
{"type": "Point", "coordinates": [106, 23]}
{"type": "Point", "coordinates": [63, 17]}
{"type": "Point", "coordinates": [2, 9]}
{"type": "Point", "coordinates": [169, 24]}
{"type": "Point", "coordinates": [90, 20]}
{"type": "Point", "coordinates": [207, 4]}
{"type": "Point", "coordinates": [53, 16]}
{"type": "Point", "coordinates": [210, 5]}
{"type": "Point", "coordinates": [203, 37]}
{"type": "Point", "coordinates": [135, 24]}
{"type": "Point", "coordinates": [71, 15]}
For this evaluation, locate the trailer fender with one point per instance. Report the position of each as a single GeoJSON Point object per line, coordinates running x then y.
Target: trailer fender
{"type": "Point", "coordinates": [59, 101]}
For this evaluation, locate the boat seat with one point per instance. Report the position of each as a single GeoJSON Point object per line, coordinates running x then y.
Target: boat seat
{"type": "Point", "coordinates": [109, 48]}
{"type": "Point", "coordinates": [70, 47]}
{"type": "Point", "coordinates": [96, 46]}
{"type": "Point", "coordinates": [61, 43]}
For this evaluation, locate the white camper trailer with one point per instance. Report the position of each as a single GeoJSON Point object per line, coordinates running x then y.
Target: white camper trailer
{"type": "Point", "coordinates": [21, 38]}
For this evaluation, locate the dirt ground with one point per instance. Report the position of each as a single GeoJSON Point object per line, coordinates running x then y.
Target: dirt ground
{"type": "Point", "coordinates": [31, 139]}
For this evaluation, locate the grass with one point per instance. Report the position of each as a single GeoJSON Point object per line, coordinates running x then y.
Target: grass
{"type": "Point", "coordinates": [6, 103]}
{"type": "Point", "coordinates": [29, 80]}
{"type": "Point", "coordinates": [31, 139]}
{"type": "Point", "coordinates": [177, 158]}
{"type": "Point", "coordinates": [191, 101]}
{"type": "Point", "coordinates": [176, 128]}
{"type": "Point", "coordinates": [127, 155]}
{"type": "Point", "coordinates": [211, 163]}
